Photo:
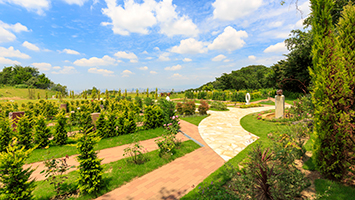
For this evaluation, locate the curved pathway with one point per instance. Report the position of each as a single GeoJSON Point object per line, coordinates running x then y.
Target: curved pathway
{"type": "Point", "coordinates": [223, 133]}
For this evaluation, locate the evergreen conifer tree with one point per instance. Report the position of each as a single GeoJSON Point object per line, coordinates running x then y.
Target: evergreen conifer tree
{"type": "Point", "coordinates": [24, 132]}
{"type": "Point", "coordinates": [42, 132]}
{"type": "Point", "coordinates": [5, 133]}
{"type": "Point", "coordinates": [60, 136]}
{"type": "Point", "coordinates": [101, 126]}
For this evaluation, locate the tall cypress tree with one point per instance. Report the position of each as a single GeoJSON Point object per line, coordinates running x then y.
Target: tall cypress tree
{"type": "Point", "coordinates": [5, 133]}
{"type": "Point", "coordinates": [24, 132]}
{"type": "Point", "coordinates": [329, 95]}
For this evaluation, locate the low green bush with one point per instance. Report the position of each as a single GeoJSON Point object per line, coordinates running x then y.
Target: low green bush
{"type": "Point", "coordinates": [218, 105]}
{"type": "Point", "coordinates": [153, 117]}
{"type": "Point", "coordinates": [188, 108]}
{"type": "Point", "coordinates": [250, 105]}
{"type": "Point", "coordinates": [203, 108]}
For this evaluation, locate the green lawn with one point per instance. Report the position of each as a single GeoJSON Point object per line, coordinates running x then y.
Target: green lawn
{"type": "Point", "coordinates": [195, 119]}
{"type": "Point", "coordinates": [70, 149]}
{"type": "Point", "coordinates": [116, 173]}
{"type": "Point", "coordinates": [336, 192]}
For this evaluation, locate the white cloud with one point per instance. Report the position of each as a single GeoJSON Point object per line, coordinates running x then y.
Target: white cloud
{"type": "Point", "coordinates": [189, 46]}
{"type": "Point", "coordinates": [57, 67]}
{"type": "Point", "coordinates": [30, 46]}
{"type": "Point", "coordinates": [65, 70]}
{"type": "Point", "coordinates": [230, 10]}
{"type": "Point", "coordinates": [11, 52]}
{"type": "Point", "coordinates": [220, 57]}
{"type": "Point", "coordinates": [31, 5]}
{"type": "Point", "coordinates": [144, 52]}
{"type": "Point", "coordinates": [5, 61]}
{"type": "Point", "coordinates": [94, 61]}
{"type": "Point", "coordinates": [149, 58]}
{"type": "Point", "coordinates": [42, 66]}
{"type": "Point", "coordinates": [178, 76]}
{"type": "Point", "coordinates": [126, 73]}
{"type": "Point", "coordinates": [171, 23]}
{"type": "Point", "coordinates": [70, 51]}
{"type": "Point", "coordinates": [5, 31]}
{"type": "Point", "coordinates": [227, 60]}
{"type": "Point", "coordinates": [77, 2]}
{"type": "Point", "coordinates": [143, 68]}
{"type": "Point", "coordinates": [156, 48]}
{"type": "Point", "coordinates": [173, 68]}
{"type": "Point", "coordinates": [153, 72]}
{"type": "Point", "coordinates": [131, 56]}
{"type": "Point", "coordinates": [279, 47]}
{"type": "Point", "coordinates": [215, 32]}
{"type": "Point", "coordinates": [275, 24]}
{"type": "Point", "coordinates": [164, 57]}
{"type": "Point", "coordinates": [229, 40]}
{"type": "Point", "coordinates": [134, 17]}
{"type": "Point", "coordinates": [187, 60]}
{"type": "Point", "coordinates": [103, 72]}
{"type": "Point", "coordinates": [251, 57]}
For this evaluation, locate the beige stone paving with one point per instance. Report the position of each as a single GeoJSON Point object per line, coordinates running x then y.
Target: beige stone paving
{"type": "Point", "coordinates": [224, 134]}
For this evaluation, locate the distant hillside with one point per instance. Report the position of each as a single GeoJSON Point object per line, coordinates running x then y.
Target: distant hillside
{"type": "Point", "coordinates": [8, 92]}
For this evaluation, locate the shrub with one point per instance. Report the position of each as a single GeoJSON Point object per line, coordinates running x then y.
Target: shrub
{"type": "Point", "coordinates": [101, 126]}
{"type": "Point", "coordinates": [218, 105]}
{"type": "Point", "coordinates": [90, 169]}
{"type": "Point", "coordinates": [303, 107]}
{"type": "Point", "coordinates": [179, 109]}
{"type": "Point", "coordinates": [251, 105]}
{"type": "Point", "coordinates": [202, 109]}
{"type": "Point", "coordinates": [136, 152]}
{"type": "Point", "coordinates": [148, 101]}
{"type": "Point", "coordinates": [189, 94]}
{"type": "Point", "coordinates": [219, 96]}
{"type": "Point", "coordinates": [5, 133]}
{"type": "Point", "coordinates": [166, 145]}
{"type": "Point", "coordinates": [60, 136]}
{"type": "Point", "coordinates": [153, 117]}
{"type": "Point", "coordinates": [24, 132]}
{"type": "Point", "coordinates": [189, 108]}
{"type": "Point", "coordinates": [14, 179]}
{"type": "Point", "coordinates": [202, 95]}
{"type": "Point", "coordinates": [238, 97]}
{"type": "Point", "coordinates": [139, 102]}
{"type": "Point", "coordinates": [86, 124]}
{"type": "Point", "coordinates": [264, 178]}
{"type": "Point", "coordinates": [168, 108]}
{"type": "Point", "coordinates": [42, 132]}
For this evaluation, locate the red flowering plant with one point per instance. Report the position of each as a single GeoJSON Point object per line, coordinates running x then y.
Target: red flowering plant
{"type": "Point", "coordinates": [174, 126]}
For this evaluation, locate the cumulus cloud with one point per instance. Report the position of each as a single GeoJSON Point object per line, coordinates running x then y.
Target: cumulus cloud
{"type": "Point", "coordinates": [173, 68]}
{"type": "Point", "coordinates": [143, 68]}
{"type": "Point", "coordinates": [187, 60]}
{"type": "Point", "coordinates": [11, 52]}
{"type": "Point", "coordinates": [94, 61]}
{"type": "Point", "coordinates": [171, 23]}
{"type": "Point", "coordinates": [229, 40]}
{"type": "Point", "coordinates": [103, 72]}
{"type": "Point", "coordinates": [153, 72]}
{"type": "Point", "coordinates": [126, 73]}
{"type": "Point", "coordinates": [65, 70]}
{"type": "Point", "coordinates": [42, 66]}
{"type": "Point", "coordinates": [131, 56]}
{"type": "Point", "coordinates": [132, 18]}
{"type": "Point", "coordinates": [6, 30]}
{"type": "Point", "coordinates": [6, 61]}
{"type": "Point", "coordinates": [149, 58]}
{"type": "Point", "coordinates": [30, 46]}
{"type": "Point", "coordinates": [189, 46]}
{"type": "Point", "coordinates": [220, 57]}
{"type": "Point", "coordinates": [57, 67]}
{"type": "Point", "coordinates": [164, 57]}
{"type": "Point", "coordinates": [77, 2]}
{"type": "Point", "coordinates": [31, 5]}
{"type": "Point", "coordinates": [70, 51]}
{"type": "Point", "coordinates": [144, 52]}
{"type": "Point", "coordinates": [230, 10]}
{"type": "Point", "coordinates": [251, 57]}
{"type": "Point", "coordinates": [156, 48]}
{"type": "Point", "coordinates": [279, 47]}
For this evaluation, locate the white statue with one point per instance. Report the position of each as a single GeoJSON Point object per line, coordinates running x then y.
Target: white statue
{"type": "Point", "coordinates": [247, 98]}
{"type": "Point", "coordinates": [167, 98]}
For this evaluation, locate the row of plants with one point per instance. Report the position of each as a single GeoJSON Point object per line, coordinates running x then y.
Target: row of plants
{"type": "Point", "coordinates": [251, 105]}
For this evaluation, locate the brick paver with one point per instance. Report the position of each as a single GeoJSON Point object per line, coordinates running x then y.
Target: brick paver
{"type": "Point", "coordinates": [175, 179]}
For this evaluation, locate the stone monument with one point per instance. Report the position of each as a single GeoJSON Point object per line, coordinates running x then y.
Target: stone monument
{"type": "Point", "coordinates": [247, 98]}
{"type": "Point", "coordinates": [95, 117]}
{"type": "Point", "coordinates": [279, 104]}
{"type": "Point", "coordinates": [14, 117]}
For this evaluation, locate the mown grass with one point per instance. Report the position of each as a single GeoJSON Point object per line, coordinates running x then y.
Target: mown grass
{"type": "Point", "coordinates": [70, 148]}
{"type": "Point", "coordinates": [215, 109]}
{"type": "Point", "coordinates": [9, 91]}
{"type": "Point", "coordinates": [194, 119]}
{"type": "Point", "coordinates": [336, 191]}
{"type": "Point", "coordinates": [116, 173]}
{"type": "Point", "coordinates": [252, 125]}
{"type": "Point", "coordinates": [269, 102]}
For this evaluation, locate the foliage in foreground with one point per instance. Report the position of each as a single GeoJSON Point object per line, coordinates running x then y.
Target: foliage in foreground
{"type": "Point", "coordinates": [14, 179]}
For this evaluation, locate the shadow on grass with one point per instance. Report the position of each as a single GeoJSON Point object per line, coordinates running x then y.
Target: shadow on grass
{"type": "Point", "coordinates": [337, 191]}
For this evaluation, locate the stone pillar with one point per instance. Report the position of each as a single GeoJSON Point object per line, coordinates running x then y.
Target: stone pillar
{"type": "Point", "coordinates": [279, 106]}
{"type": "Point", "coordinates": [95, 117]}
{"type": "Point", "coordinates": [14, 117]}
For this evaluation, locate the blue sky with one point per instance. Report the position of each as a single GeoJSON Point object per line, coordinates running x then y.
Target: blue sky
{"type": "Point", "coordinates": [112, 44]}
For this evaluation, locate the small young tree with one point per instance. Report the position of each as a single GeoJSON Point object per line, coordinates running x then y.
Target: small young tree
{"type": "Point", "coordinates": [137, 92]}
{"type": "Point", "coordinates": [98, 95]}
{"type": "Point", "coordinates": [101, 128]}
{"type": "Point", "coordinates": [42, 132]}
{"type": "Point", "coordinates": [125, 93]}
{"type": "Point", "coordinates": [5, 133]}
{"type": "Point", "coordinates": [14, 179]}
{"type": "Point", "coordinates": [46, 95]}
{"type": "Point", "coordinates": [90, 169]}
{"type": "Point", "coordinates": [24, 132]}
{"type": "Point", "coordinates": [60, 133]}
{"type": "Point", "coordinates": [119, 92]}
{"type": "Point", "coordinates": [156, 93]}
{"type": "Point", "coordinates": [106, 94]}
{"type": "Point", "coordinates": [147, 92]}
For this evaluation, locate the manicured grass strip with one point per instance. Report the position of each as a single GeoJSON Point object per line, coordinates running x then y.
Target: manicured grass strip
{"type": "Point", "coordinates": [196, 119]}
{"type": "Point", "coordinates": [117, 173]}
{"type": "Point", "coordinates": [70, 149]}
{"type": "Point", "coordinates": [267, 103]}
{"type": "Point", "coordinates": [337, 191]}
{"type": "Point", "coordinates": [220, 176]}
{"type": "Point", "coordinates": [215, 109]}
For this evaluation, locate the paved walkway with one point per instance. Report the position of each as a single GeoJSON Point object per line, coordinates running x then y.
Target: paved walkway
{"type": "Point", "coordinates": [224, 134]}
